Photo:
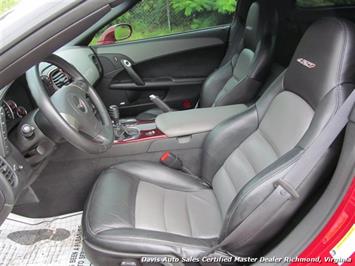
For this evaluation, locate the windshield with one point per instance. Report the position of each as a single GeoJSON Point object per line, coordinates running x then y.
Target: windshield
{"type": "Point", "coordinates": [18, 18]}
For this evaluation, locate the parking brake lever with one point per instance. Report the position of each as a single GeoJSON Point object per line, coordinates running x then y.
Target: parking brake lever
{"type": "Point", "coordinates": [160, 104]}
{"type": "Point", "coordinates": [132, 73]}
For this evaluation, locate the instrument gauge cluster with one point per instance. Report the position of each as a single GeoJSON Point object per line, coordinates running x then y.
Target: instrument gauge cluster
{"type": "Point", "coordinates": [13, 111]}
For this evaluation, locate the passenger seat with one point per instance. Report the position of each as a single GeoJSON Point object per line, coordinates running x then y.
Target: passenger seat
{"type": "Point", "coordinates": [246, 63]}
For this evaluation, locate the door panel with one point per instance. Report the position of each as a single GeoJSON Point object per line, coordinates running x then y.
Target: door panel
{"type": "Point", "coordinates": [173, 67]}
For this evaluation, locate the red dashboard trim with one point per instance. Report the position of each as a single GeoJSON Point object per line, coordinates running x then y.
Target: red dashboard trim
{"type": "Point", "coordinates": [143, 137]}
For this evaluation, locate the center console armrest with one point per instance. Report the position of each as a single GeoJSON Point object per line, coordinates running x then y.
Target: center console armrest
{"type": "Point", "coordinates": [189, 122]}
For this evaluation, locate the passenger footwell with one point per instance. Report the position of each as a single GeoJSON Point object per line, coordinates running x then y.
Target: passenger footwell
{"type": "Point", "coordinates": [42, 241]}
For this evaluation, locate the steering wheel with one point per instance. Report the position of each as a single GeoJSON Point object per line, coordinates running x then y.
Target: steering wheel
{"type": "Point", "coordinates": [76, 110]}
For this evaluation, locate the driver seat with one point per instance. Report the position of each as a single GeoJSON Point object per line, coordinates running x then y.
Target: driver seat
{"type": "Point", "coordinates": [137, 209]}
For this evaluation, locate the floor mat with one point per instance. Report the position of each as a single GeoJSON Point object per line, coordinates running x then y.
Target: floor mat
{"type": "Point", "coordinates": [48, 241]}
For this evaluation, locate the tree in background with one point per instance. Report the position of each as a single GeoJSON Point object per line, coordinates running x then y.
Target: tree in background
{"type": "Point", "coordinates": [190, 7]}
{"type": "Point", "coordinates": [204, 13]}
{"type": "Point", "coordinates": [6, 5]}
{"type": "Point", "coordinates": [153, 18]}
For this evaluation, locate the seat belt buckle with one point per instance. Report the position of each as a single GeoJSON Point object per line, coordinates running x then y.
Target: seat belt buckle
{"type": "Point", "coordinates": [287, 187]}
{"type": "Point", "coordinates": [170, 160]}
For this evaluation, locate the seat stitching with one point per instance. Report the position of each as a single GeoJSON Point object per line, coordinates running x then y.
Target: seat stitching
{"type": "Point", "coordinates": [235, 190]}
{"type": "Point", "coordinates": [164, 186]}
{"type": "Point", "coordinates": [244, 153]}
{"type": "Point", "coordinates": [130, 238]}
{"type": "Point", "coordinates": [270, 142]}
{"type": "Point", "coordinates": [188, 214]}
{"type": "Point", "coordinates": [221, 97]}
{"type": "Point", "coordinates": [87, 216]}
{"type": "Point", "coordinates": [341, 62]}
{"type": "Point", "coordinates": [164, 217]}
{"type": "Point", "coordinates": [229, 177]}
{"type": "Point", "coordinates": [135, 205]}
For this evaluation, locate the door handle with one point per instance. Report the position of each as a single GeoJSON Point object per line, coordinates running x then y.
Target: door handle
{"type": "Point", "coordinates": [127, 65]}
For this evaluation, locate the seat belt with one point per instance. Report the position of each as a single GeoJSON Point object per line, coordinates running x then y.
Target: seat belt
{"type": "Point", "coordinates": [300, 171]}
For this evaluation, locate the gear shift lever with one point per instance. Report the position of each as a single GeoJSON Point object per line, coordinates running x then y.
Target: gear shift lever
{"type": "Point", "coordinates": [114, 112]}
{"type": "Point", "coordinates": [160, 104]}
{"type": "Point", "coordinates": [121, 131]}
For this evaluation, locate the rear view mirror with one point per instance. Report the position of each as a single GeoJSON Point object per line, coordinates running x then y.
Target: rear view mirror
{"type": "Point", "coordinates": [115, 33]}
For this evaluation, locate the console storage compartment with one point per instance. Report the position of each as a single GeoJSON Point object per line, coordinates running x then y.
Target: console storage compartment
{"type": "Point", "coordinates": [190, 122]}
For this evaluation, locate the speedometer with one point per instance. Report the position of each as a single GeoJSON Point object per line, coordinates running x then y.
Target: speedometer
{"type": "Point", "coordinates": [9, 108]}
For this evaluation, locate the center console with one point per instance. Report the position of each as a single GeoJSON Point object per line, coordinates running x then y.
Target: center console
{"type": "Point", "coordinates": [132, 130]}
{"type": "Point", "coordinates": [196, 121]}
{"type": "Point", "coordinates": [137, 131]}
{"type": "Point", "coordinates": [178, 124]}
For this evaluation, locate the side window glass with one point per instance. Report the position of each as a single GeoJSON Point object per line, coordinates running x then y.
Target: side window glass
{"type": "Point", "coordinates": [324, 3]}
{"type": "Point", "coordinates": [156, 18]}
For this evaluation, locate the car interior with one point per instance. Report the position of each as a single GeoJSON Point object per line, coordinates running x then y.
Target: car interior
{"type": "Point", "coordinates": [177, 145]}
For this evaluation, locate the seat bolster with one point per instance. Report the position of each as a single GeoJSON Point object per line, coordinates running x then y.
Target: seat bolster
{"type": "Point", "coordinates": [247, 89]}
{"type": "Point", "coordinates": [224, 139]}
{"type": "Point", "coordinates": [143, 242]}
{"type": "Point", "coordinates": [111, 203]}
{"type": "Point", "coordinates": [215, 83]}
{"type": "Point", "coordinates": [327, 108]}
{"type": "Point", "coordinates": [160, 175]}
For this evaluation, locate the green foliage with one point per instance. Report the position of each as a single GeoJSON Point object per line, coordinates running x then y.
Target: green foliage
{"type": "Point", "coordinates": [190, 7]}
{"type": "Point", "coordinates": [154, 18]}
{"type": "Point", "coordinates": [6, 5]}
{"type": "Point", "coordinates": [226, 6]}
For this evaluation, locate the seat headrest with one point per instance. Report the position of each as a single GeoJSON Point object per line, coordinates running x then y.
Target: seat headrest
{"type": "Point", "coordinates": [260, 21]}
{"type": "Point", "coordinates": [324, 59]}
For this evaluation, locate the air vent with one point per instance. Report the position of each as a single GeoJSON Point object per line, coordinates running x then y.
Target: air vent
{"type": "Point", "coordinates": [59, 78]}
{"type": "Point", "coordinates": [7, 172]}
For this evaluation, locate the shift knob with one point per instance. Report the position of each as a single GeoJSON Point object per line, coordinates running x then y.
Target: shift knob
{"type": "Point", "coordinates": [114, 112]}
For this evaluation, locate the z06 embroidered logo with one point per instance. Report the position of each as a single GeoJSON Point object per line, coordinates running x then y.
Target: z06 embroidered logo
{"type": "Point", "coordinates": [306, 63]}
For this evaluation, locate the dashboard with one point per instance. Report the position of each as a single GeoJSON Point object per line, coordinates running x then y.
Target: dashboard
{"type": "Point", "coordinates": [17, 101]}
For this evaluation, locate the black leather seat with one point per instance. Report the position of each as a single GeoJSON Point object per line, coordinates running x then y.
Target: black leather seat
{"type": "Point", "coordinates": [144, 208]}
{"type": "Point", "coordinates": [246, 64]}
